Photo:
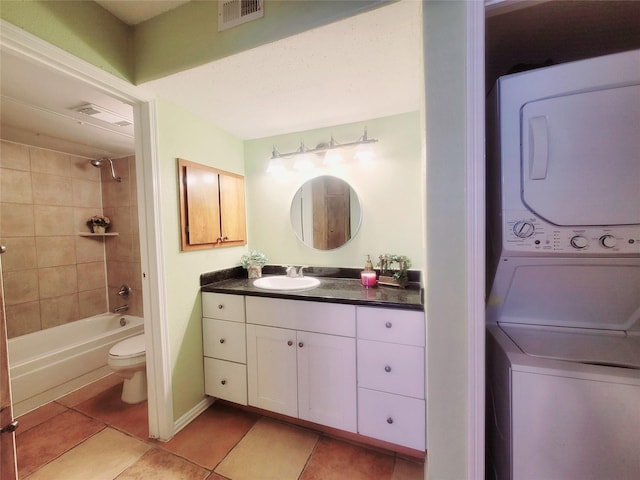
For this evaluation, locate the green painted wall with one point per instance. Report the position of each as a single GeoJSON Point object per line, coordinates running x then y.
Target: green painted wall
{"type": "Point", "coordinates": [182, 135]}
{"type": "Point", "coordinates": [390, 191]}
{"type": "Point", "coordinates": [188, 36]}
{"type": "Point", "coordinates": [445, 299]}
{"type": "Point", "coordinates": [82, 28]}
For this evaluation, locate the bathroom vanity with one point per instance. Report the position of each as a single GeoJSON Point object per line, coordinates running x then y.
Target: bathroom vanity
{"type": "Point", "coordinates": [339, 356]}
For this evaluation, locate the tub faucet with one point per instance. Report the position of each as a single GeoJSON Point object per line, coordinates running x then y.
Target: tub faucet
{"type": "Point", "coordinates": [292, 273]}
{"type": "Point", "coordinates": [121, 308]}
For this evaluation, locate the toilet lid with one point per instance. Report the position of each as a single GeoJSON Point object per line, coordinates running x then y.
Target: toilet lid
{"type": "Point", "coordinates": [129, 347]}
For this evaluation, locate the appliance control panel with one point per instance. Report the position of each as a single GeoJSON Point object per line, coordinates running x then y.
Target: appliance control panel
{"type": "Point", "coordinates": [526, 233]}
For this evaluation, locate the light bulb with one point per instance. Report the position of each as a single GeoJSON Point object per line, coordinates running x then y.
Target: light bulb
{"type": "Point", "coordinates": [365, 154]}
{"type": "Point", "coordinates": [276, 166]}
{"type": "Point", "coordinates": [332, 157]}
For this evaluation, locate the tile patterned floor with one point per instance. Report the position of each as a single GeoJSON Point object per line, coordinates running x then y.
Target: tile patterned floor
{"type": "Point", "coordinates": [90, 434]}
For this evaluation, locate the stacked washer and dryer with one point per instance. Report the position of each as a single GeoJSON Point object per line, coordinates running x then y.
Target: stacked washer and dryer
{"type": "Point", "coordinates": [563, 313]}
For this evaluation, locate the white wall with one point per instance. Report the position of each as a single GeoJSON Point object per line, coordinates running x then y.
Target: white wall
{"type": "Point", "coordinates": [390, 192]}
{"type": "Point", "coordinates": [446, 293]}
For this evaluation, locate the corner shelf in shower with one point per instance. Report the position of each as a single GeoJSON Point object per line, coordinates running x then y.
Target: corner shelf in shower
{"type": "Point", "coordinates": [89, 234]}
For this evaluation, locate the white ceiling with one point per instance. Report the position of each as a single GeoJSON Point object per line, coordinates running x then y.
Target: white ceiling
{"type": "Point", "coordinates": [364, 67]}
{"type": "Point", "coordinates": [36, 108]}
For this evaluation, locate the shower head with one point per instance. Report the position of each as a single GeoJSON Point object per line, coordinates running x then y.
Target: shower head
{"type": "Point", "coordinates": [97, 162]}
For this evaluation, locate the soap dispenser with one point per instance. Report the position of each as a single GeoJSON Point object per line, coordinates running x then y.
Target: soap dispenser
{"type": "Point", "coordinates": [368, 275]}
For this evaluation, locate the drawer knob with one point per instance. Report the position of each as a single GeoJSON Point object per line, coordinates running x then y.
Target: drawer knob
{"type": "Point", "coordinates": [301, 344]}
{"type": "Point", "coordinates": [223, 382]}
{"type": "Point", "coordinates": [220, 306]}
{"type": "Point", "coordinates": [387, 369]}
{"type": "Point", "coordinates": [289, 343]}
{"type": "Point", "coordinates": [389, 420]}
{"type": "Point", "coordinates": [222, 340]}
{"type": "Point", "coordinates": [388, 325]}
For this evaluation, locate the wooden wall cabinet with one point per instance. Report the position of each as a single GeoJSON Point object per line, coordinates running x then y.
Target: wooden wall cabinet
{"type": "Point", "coordinates": [212, 207]}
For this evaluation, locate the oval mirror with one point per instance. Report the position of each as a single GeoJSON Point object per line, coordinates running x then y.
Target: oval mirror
{"type": "Point", "coordinates": [325, 213]}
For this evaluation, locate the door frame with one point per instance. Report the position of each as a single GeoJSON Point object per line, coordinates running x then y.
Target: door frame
{"type": "Point", "coordinates": [8, 461]}
{"type": "Point", "coordinates": [475, 212]}
{"type": "Point", "coordinates": [29, 47]}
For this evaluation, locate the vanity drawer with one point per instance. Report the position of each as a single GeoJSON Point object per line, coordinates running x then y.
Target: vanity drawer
{"type": "Point", "coordinates": [223, 306]}
{"type": "Point", "coordinates": [392, 368]}
{"type": "Point", "coordinates": [225, 380]}
{"type": "Point", "coordinates": [319, 317]}
{"type": "Point", "coordinates": [396, 326]}
{"type": "Point", "coordinates": [224, 340]}
{"type": "Point", "coordinates": [393, 418]}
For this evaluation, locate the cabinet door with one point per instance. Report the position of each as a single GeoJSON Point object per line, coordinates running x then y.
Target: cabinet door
{"type": "Point", "coordinates": [327, 380]}
{"type": "Point", "coordinates": [203, 215]}
{"type": "Point", "coordinates": [232, 213]}
{"type": "Point", "coordinates": [271, 369]}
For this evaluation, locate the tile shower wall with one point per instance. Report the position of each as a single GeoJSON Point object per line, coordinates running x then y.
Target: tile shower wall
{"type": "Point", "coordinates": [51, 274]}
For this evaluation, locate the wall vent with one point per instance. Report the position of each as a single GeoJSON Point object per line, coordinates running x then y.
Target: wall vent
{"type": "Point", "coordinates": [235, 12]}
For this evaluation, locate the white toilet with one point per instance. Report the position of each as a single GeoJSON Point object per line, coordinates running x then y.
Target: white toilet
{"type": "Point", "coordinates": [128, 360]}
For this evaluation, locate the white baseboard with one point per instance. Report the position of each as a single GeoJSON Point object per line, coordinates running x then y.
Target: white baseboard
{"type": "Point", "coordinates": [191, 415]}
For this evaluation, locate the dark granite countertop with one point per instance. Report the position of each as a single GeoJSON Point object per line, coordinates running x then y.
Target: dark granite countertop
{"type": "Point", "coordinates": [340, 287]}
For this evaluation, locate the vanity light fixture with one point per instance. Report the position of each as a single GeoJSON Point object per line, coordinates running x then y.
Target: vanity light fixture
{"type": "Point", "coordinates": [330, 150]}
{"type": "Point", "coordinates": [303, 159]}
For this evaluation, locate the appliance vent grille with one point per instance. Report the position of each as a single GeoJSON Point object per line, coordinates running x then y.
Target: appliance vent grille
{"type": "Point", "coordinates": [235, 12]}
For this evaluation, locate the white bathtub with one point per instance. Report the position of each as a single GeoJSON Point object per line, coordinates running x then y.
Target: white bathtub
{"type": "Point", "coordinates": [48, 364]}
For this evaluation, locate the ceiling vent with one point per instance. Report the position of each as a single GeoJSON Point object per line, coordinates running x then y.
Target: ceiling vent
{"type": "Point", "coordinates": [103, 114]}
{"type": "Point", "coordinates": [235, 12]}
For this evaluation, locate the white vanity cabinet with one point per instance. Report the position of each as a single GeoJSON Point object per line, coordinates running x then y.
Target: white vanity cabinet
{"type": "Point", "coordinates": [225, 358]}
{"type": "Point", "coordinates": [301, 360]}
{"type": "Point", "coordinates": [391, 376]}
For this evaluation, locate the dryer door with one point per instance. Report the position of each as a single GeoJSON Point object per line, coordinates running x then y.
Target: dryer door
{"type": "Point", "coordinates": [581, 157]}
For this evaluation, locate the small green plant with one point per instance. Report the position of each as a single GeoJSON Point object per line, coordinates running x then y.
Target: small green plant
{"type": "Point", "coordinates": [395, 266]}
{"type": "Point", "coordinates": [255, 258]}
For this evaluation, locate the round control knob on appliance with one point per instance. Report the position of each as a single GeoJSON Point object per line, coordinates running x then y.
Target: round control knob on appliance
{"type": "Point", "coordinates": [608, 241]}
{"type": "Point", "coordinates": [523, 229]}
{"type": "Point", "coordinates": [579, 242]}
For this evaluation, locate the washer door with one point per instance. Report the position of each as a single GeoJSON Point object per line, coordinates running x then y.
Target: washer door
{"type": "Point", "coordinates": [599, 294]}
{"type": "Point", "coordinates": [581, 157]}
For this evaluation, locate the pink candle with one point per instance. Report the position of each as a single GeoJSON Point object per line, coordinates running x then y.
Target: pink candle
{"type": "Point", "coordinates": [368, 279]}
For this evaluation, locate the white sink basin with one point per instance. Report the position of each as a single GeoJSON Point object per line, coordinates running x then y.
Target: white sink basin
{"type": "Point", "coordinates": [284, 283]}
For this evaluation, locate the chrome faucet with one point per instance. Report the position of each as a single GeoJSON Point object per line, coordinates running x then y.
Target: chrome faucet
{"type": "Point", "coordinates": [121, 308]}
{"type": "Point", "coordinates": [292, 273]}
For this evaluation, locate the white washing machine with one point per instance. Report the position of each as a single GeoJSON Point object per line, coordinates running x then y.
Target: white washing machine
{"type": "Point", "coordinates": [563, 315]}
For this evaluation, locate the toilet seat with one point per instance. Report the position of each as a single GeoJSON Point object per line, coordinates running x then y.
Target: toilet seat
{"type": "Point", "coordinates": [128, 348]}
